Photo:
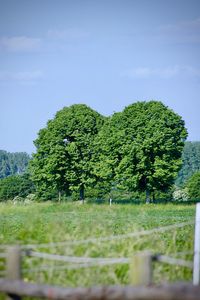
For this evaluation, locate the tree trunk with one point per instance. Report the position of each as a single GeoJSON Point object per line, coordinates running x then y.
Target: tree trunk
{"type": "Point", "coordinates": [147, 196]}
{"type": "Point", "coordinates": [59, 196]}
{"type": "Point", "coordinates": [153, 196]}
{"type": "Point", "coordinates": [82, 193]}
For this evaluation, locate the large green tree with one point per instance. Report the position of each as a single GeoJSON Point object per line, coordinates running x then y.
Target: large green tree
{"type": "Point", "coordinates": [63, 161]}
{"type": "Point", "coordinates": [141, 148]}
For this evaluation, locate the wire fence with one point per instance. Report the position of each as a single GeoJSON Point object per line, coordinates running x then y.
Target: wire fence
{"type": "Point", "coordinates": [108, 238]}
{"type": "Point", "coordinates": [90, 261]}
{"type": "Point", "coordinates": [141, 262]}
{"type": "Point", "coordinates": [174, 261]}
{"type": "Point", "coordinates": [28, 248]}
{"type": "Point", "coordinates": [81, 262]}
{"type": "Point", "coordinates": [77, 260]}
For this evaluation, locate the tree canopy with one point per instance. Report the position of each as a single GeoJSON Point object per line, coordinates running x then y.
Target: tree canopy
{"type": "Point", "coordinates": [65, 149]}
{"type": "Point", "coordinates": [141, 147]}
{"type": "Point", "coordinates": [138, 149]}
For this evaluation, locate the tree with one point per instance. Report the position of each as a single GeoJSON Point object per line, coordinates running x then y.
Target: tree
{"type": "Point", "coordinates": [191, 162]}
{"type": "Point", "coordinates": [64, 151]}
{"type": "Point", "coordinates": [13, 163]}
{"type": "Point", "coordinates": [193, 186]}
{"type": "Point", "coordinates": [142, 146]}
{"type": "Point", "coordinates": [108, 146]}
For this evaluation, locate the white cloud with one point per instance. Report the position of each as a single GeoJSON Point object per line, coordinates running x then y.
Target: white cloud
{"type": "Point", "coordinates": [31, 77]}
{"type": "Point", "coordinates": [20, 43]}
{"type": "Point", "coordinates": [167, 72]}
{"type": "Point", "coordinates": [30, 44]}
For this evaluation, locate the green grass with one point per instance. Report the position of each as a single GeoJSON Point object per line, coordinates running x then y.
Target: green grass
{"type": "Point", "coordinates": [48, 222]}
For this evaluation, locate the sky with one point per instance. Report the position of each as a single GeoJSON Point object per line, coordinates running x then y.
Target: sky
{"type": "Point", "coordinates": [106, 54]}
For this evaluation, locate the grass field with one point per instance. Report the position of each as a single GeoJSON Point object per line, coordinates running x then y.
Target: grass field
{"type": "Point", "coordinates": [48, 222]}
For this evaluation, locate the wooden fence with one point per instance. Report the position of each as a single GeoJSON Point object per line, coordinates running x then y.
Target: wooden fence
{"type": "Point", "coordinates": [140, 276]}
{"type": "Point", "coordinates": [16, 289]}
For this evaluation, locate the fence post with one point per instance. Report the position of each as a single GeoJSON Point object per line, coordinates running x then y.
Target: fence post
{"type": "Point", "coordinates": [196, 266]}
{"type": "Point", "coordinates": [13, 267]}
{"type": "Point", "coordinates": [141, 269]}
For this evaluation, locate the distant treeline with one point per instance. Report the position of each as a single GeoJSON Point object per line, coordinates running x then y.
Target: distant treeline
{"type": "Point", "coordinates": [13, 163]}
{"type": "Point", "coordinates": [191, 162]}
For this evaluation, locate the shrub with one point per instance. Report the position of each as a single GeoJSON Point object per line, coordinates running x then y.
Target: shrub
{"type": "Point", "coordinates": [16, 185]}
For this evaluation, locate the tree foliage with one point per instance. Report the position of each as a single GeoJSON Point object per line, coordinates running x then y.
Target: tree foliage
{"type": "Point", "coordinates": [16, 185]}
{"type": "Point", "coordinates": [136, 150]}
{"type": "Point", "coordinates": [190, 162]}
{"type": "Point", "coordinates": [64, 151]}
{"type": "Point", "coordinates": [193, 186]}
{"type": "Point", "coordinates": [13, 163]}
{"type": "Point", "coordinates": [141, 147]}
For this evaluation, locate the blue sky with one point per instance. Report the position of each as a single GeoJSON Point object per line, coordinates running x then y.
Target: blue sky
{"type": "Point", "coordinates": [106, 54]}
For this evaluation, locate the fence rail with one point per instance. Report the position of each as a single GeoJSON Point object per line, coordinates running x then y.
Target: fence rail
{"type": "Point", "coordinates": [174, 261]}
{"type": "Point", "coordinates": [165, 292]}
{"type": "Point", "coordinates": [91, 261]}
{"type": "Point", "coordinates": [78, 259]}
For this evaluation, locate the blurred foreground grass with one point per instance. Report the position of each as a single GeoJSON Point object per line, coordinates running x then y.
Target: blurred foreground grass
{"type": "Point", "coordinates": [50, 222]}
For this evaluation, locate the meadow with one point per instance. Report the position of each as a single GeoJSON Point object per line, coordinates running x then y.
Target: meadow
{"type": "Point", "coordinates": [42, 223]}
